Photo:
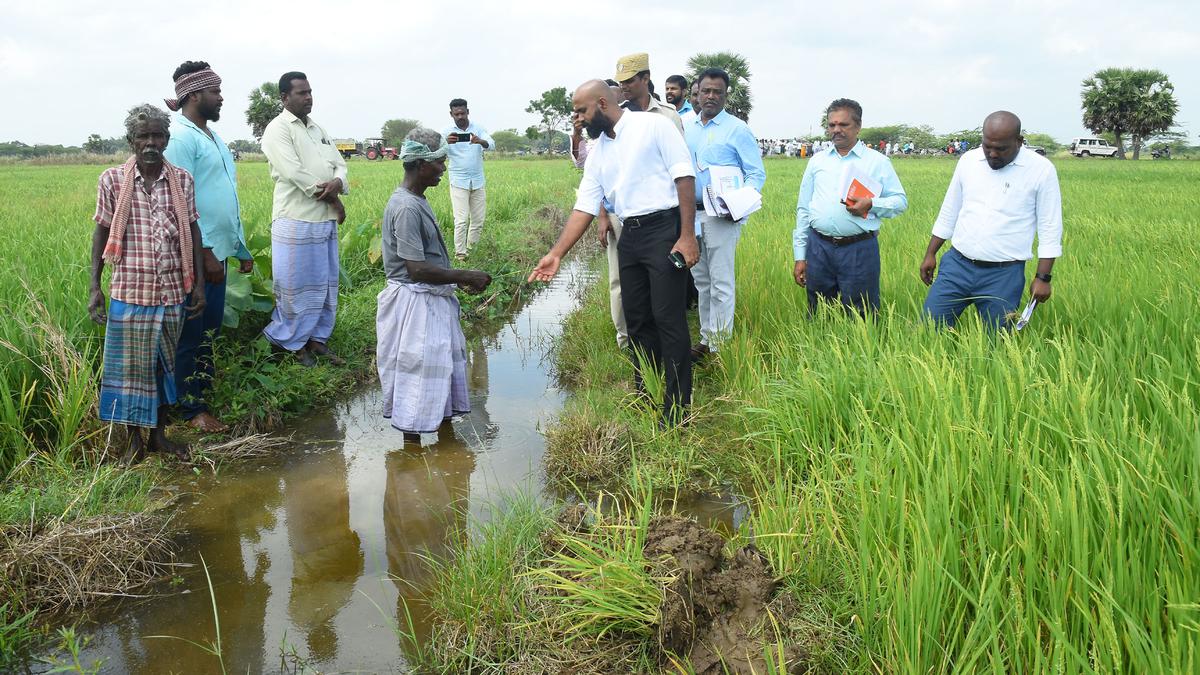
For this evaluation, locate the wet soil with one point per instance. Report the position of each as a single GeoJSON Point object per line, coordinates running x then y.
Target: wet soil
{"type": "Point", "coordinates": [716, 612]}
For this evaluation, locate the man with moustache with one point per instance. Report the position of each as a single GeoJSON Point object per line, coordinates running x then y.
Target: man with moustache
{"type": "Point", "coordinates": [310, 176]}
{"type": "Point", "coordinates": [716, 138]}
{"type": "Point", "coordinates": [420, 349]}
{"type": "Point", "coordinates": [1001, 195]}
{"type": "Point", "coordinates": [641, 167]}
{"type": "Point", "coordinates": [147, 230]}
{"type": "Point", "coordinates": [198, 149]}
{"type": "Point", "coordinates": [676, 93]}
{"type": "Point", "coordinates": [835, 244]}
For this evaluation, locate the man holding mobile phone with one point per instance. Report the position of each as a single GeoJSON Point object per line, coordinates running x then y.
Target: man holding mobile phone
{"type": "Point", "coordinates": [465, 143]}
{"type": "Point", "coordinates": [641, 168]}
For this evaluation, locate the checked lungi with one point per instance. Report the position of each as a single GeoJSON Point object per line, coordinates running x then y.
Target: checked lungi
{"type": "Point", "coordinates": [139, 362]}
{"type": "Point", "coordinates": [421, 354]}
{"type": "Point", "coordinates": [304, 264]}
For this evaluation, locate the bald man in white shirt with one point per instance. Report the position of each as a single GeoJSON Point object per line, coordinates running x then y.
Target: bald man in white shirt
{"type": "Point", "coordinates": [1000, 197]}
{"type": "Point", "coordinates": [642, 168]}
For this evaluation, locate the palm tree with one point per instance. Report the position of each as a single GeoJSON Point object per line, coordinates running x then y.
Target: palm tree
{"type": "Point", "coordinates": [1123, 101]}
{"type": "Point", "coordinates": [739, 103]}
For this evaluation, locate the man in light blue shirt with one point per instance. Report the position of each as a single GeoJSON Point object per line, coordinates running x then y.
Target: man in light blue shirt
{"type": "Point", "coordinates": [676, 93]}
{"type": "Point", "coordinates": [465, 143]}
{"type": "Point", "coordinates": [835, 242]}
{"type": "Point", "coordinates": [716, 138]}
{"type": "Point", "coordinates": [201, 152]}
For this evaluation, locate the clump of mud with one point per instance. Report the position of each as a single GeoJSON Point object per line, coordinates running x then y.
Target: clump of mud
{"type": "Point", "coordinates": [716, 612]}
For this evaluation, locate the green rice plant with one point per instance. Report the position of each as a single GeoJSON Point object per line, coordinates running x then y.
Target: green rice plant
{"type": "Point", "coordinates": [601, 580]}
{"type": "Point", "coordinates": [1021, 502]}
{"type": "Point", "coordinates": [480, 593]}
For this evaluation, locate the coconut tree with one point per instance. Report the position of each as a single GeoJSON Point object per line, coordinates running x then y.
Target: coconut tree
{"type": "Point", "coordinates": [739, 102]}
{"type": "Point", "coordinates": [1128, 101]}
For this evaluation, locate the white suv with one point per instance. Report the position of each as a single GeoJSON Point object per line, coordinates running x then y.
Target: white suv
{"type": "Point", "coordinates": [1089, 147]}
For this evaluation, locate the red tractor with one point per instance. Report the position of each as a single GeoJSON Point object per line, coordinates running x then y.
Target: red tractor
{"type": "Point", "coordinates": [373, 148]}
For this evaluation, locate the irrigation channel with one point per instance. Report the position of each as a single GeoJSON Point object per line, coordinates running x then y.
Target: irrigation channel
{"type": "Point", "coordinates": [315, 554]}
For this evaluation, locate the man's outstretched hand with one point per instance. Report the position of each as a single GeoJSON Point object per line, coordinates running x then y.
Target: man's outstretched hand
{"type": "Point", "coordinates": [546, 268]}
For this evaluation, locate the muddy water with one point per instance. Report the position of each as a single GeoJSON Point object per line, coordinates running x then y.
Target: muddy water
{"type": "Point", "coordinates": [315, 554]}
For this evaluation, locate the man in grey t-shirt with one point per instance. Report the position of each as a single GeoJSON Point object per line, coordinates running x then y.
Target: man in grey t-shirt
{"type": "Point", "coordinates": [420, 347]}
{"type": "Point", "coordinates": [410, 232]}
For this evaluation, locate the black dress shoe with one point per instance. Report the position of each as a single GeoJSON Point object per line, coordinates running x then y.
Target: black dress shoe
{"type": "Point", "coordinates": [305, 358]}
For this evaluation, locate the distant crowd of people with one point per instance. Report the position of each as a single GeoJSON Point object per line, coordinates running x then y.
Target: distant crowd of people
{"type": "Point", "coordinates": [671, 183]}
{"type": "Point", "coordinates": [797, 147]}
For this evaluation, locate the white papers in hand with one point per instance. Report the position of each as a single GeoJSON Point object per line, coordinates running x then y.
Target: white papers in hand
{"type": "Point", "coordinates": [1026, 315]}
{"type": "Point", "coordinates": [740, 203]}
{"type": "Point", "coordinates": [722, 179]}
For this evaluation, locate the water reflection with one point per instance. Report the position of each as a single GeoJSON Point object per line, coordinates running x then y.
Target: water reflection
{"type": "Point", "coordinates": [327, 557]}
{"type": "Point", "coordinates": [423, 508]}
{"type": "Point", "coordinates": [318, 552]}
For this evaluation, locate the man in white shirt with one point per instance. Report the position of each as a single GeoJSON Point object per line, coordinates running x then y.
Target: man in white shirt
{"type": "Point", "coordinates": [1001, 195]}
{"type": "Point", "coordinates": [641, 167]}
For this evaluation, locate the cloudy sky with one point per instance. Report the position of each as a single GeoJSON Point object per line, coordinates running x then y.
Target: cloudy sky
{"type": "Point", "coordinates": [69, 68]}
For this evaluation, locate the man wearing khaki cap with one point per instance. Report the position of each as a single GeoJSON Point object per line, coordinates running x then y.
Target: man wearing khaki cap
{"type": "Point", "coordinates": [633, 77]}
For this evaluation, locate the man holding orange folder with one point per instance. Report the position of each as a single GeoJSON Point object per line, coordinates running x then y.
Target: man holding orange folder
{"type": "Point", "coordinates": [846, 191]}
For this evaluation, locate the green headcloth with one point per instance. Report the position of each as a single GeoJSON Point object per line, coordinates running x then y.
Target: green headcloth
{"type": "Point", "coordinates": [411, 151]}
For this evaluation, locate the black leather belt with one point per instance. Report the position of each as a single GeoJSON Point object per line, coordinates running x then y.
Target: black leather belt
{"type": "Point", "coordinates": [653, 218]}
{"type": "Point", "coordinates": [843, 241]}
{"type": "Point", "coordinates": [990, 263]}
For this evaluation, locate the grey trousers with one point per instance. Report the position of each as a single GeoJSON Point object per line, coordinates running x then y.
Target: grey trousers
{"type": "Point", "coordinates": [714, 276]}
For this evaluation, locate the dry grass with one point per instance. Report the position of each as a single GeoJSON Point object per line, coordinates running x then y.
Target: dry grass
{"type": "Point", "coordinates": [69, 565]}
{"type": "Point", "coordinates": [242, 448]}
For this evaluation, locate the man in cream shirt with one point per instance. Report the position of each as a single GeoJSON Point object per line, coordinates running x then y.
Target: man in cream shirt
{"type": "Point", "coordinates": [1001, 195]}
{"type": "Point", "coordinates": [310, 176]}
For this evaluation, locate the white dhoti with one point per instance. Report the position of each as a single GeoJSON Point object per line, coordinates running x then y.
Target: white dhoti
{"type": "Point", "coordinates": [421, 354]}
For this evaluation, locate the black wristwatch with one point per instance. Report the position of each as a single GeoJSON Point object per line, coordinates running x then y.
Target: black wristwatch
{"type": "Point", "coordinates": [1043, 277]}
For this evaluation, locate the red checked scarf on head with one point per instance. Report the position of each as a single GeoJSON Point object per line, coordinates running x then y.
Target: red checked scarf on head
{"type": "Point", "coordinates": [190, 83]}
{"type": "Point", "coordinates": [116, 232]}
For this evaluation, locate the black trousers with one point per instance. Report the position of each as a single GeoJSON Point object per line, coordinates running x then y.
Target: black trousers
{"type": "Point", "coordinates": [654, 297]}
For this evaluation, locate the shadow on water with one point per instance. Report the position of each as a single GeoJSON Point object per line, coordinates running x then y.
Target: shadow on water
{"type": "Point", "coordinates": [314, 554]}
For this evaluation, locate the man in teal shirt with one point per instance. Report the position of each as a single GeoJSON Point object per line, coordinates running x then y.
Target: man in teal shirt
{"type": "Point", "coordinates": [835, 242]}
{"type": "Point", "coordinates": [200, 151]}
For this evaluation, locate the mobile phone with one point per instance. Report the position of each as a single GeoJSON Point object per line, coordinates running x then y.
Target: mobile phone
{"type": "Point", "coordinates": [677, 260]}
{"type": "Point", "coordinates": [462, 138]}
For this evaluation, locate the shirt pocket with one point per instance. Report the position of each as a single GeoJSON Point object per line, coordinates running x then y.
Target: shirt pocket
{"type": "Point", "coordinates": [1013, 198]}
